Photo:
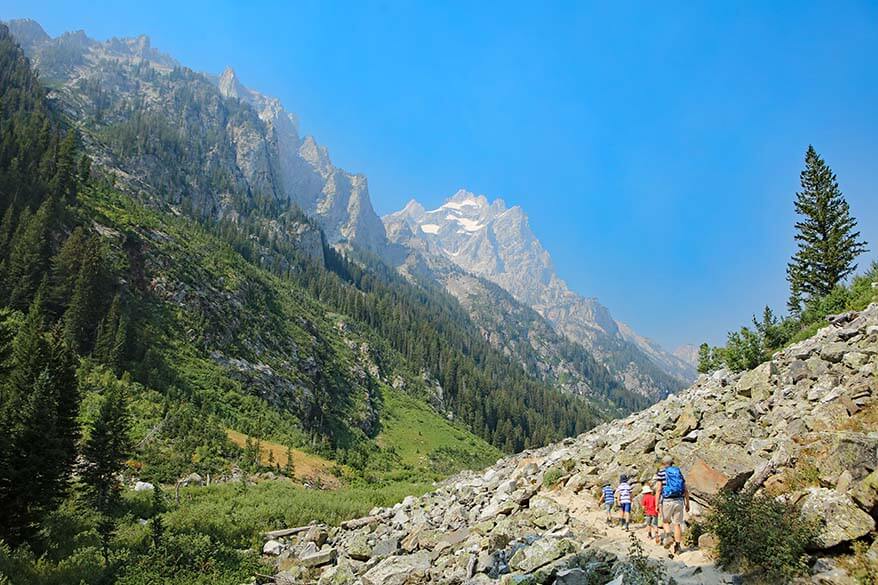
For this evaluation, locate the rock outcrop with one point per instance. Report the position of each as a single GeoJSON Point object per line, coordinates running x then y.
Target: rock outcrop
{"type": "Point", "coordinates": [801, 427]}
{"type": "Point", "coordinates": [238, 148]}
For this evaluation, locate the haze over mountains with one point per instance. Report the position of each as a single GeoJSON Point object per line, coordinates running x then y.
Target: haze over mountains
{"type": "Point", "coordinates": [494, 241]}
{"type": "Point", "coordinates": [266, 162]}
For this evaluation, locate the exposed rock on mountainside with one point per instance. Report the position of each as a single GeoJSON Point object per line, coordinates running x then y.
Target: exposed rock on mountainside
{"type": "Point", "coordinates": [233, 149]}
{"type": "Point", "coordinates": [801, 427]}
{"type": "Point", "coordinates": [688, 353]}
{"type": "Point", "coordinates": [495, 242]}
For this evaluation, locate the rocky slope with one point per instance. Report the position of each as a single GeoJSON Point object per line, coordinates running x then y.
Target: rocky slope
{"type": "Point", "coordinates": [801, 426]}
{"type": "Point", "coordinates": [495, 242]}
{"type": "Point", "coordinates": [206, 143]}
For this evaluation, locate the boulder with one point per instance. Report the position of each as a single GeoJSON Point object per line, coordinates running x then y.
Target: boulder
{"type": "Point", "coordinates": [717, 468]}
{"type": "Point", "coordinates": [385, 547]}
{"type": "Point", "coordinates": [273, 547]}
{"type": "Point", "coordinates": [572, 577]}
{"type": "Point", "coordinates": [339, 574]}
{"type": "Point", "coordinates": [853, 452]}
{"type": "Point", "coordinates": [866, 493]}
{"type": "Point", "coordinates": [757, 382]}
{"type": "Point", "coordinates": [687, 422]}
{"type": "Point", "coordinates": [324, 556]}
{"type": "Point", "coordinates": [839, 517]}
{"type": "Point", "coordinates": [143, 486]}
{"type": "Point", "coordinates": [834, 351]}
{"type": "Point", "coordinates": [541, 552]}
{"type": "Point", "coordinates": [707, 541]}
{"type": "Point", "coordinates": [358, 547]}
{"type": "Point", "coordinates": [399, 570]}
{"type": "Point", "coordinates": [317, 535]}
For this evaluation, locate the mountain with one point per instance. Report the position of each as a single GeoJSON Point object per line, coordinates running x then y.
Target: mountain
{"type": "Point", "coordinates": [495, 242]}
{"type": "Point", "coordinates": [211, 148]}
{"type": "Point", "coordinates": [167, 145]}
{"type": "Point", "coordinates": [798, 427]}
{"type": "Point", "coordinates": [688, 353]}
{"type": "Point", "coordinates": [193, 139]}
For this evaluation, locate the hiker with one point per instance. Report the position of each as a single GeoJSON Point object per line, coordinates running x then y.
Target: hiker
{"type": "Point", "coordinates": [608, 499]}
{"type": "Point", "coordinates": [674, 501]}
{"type": "Point", "coordinates": [650, 511]}
{"type": "Point", "coordinates": [623, 494]}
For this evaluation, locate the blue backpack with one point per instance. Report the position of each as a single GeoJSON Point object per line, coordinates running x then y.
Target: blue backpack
{"type": "Point", "coordinates": [674, 484]}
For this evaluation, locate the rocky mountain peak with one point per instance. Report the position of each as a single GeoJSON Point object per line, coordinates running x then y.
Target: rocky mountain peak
{"type": "Point", "coordinates": [263, 153]}
{"type": "Point", "coordinates": [489, 239]}
{"type": "Point", "coordinates": [229, 85]}
{"type": "Point", "coordinates": [27, 32]}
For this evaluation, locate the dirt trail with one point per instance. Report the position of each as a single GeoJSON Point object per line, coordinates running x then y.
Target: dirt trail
{"type": "Point", "coordinates": [692, 567]}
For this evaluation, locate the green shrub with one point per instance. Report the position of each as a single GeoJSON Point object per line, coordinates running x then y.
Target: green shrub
{"type": "Point", "coordinates": [552, 476]}
{"type": "Point", "coordinates": [760, 535]}
{"type": "Point", "coordinates": [638, 570]}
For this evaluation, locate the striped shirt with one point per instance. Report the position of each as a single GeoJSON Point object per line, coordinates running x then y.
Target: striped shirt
{"type": "Point", "coordinates": [662, 477]}
{"type": "Point", "coordinates": [624, 493]}
{"type": "Point", "coordinates": [609, 497]}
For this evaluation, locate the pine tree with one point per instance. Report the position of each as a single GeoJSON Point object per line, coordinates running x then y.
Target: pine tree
{"type": "Point", "coordinates": [827, 241]}
{"type": "Point", "coordinates": [157, 529]}
{"type": "Point", "coordinates": [289, 466]}
{"type": "Point", "coordinates": [39, 403]}
{"type": "Point", "coordinates": [104, 454]}
{"type": "Point", "coordinates": [29, 256]}
{"type": "Point", "coordinates": [705, 359]}
{"type": "Point", "coordinates": [88, 301]}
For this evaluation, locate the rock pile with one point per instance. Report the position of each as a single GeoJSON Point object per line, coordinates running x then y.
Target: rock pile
{"type": "Point", "coordinates": [802, 426]}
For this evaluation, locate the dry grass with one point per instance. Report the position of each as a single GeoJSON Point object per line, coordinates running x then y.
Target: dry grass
{"type": "Point", "coordinates": [306, 465]}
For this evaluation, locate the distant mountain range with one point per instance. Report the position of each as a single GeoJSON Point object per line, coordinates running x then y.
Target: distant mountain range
{"type": "Point", "coordinates": [491, 240]}
{"type": "Point", "coordinates": [234, 152]}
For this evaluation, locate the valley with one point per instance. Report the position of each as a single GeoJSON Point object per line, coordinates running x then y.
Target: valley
{"type": "Point", "coordinates": [219, 365]}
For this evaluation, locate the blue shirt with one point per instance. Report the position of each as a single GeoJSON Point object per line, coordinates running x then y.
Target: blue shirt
{"type": "Point", "coordinates": [609, 498]}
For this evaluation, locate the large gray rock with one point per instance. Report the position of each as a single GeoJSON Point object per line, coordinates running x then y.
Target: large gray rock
{"type": "Point", "coordinates": [840, 519]}
{"type": "Point", "coordinates": [399, 570]}
{"type": "Point", "coordinates": [542, 552]}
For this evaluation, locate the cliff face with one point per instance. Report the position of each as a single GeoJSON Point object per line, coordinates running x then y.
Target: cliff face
{"type": "Point", "coordinates": [800, 427]}
{"type": "Point", "coordinates": [203, 143]}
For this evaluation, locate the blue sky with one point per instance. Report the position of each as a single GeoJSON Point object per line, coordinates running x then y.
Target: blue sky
{"type": "Point", "coordinates": [655, 146]}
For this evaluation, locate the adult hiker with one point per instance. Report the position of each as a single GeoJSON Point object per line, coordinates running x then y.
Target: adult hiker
{"type": "Point", "coordinates": [607, 500]}
{"type": "Point", "coordinates": [650, 512]}
{"type": "Point", "coordinates": [623, 494]}
{"type": "Point", "coordinates": [674, 500]}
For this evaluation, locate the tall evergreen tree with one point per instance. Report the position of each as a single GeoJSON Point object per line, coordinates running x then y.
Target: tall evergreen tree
{"type": "Point", "coordinates": [88, 301]}
{"type": "Point", "coordinates": [38, 407]}
{"type": "Point", "coordinates": [104, 454]}
{"type": "Point", "coordinates": [826, 235]}
{"type": "Point", "coordinates": [29, 256]}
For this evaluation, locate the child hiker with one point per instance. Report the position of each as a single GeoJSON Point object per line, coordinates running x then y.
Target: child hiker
{"type": "Point", "coordinates": [623, 494]}
{"type": "Point", "coordinates": [650, 511]}
{"type": "Point", "coordinates": [607, 500]}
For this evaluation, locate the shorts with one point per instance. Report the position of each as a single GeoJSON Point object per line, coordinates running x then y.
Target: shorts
{"type": "Point", "coordinates": [626, 507]}
{"type": "Point", "coordinates": [652, 520]}
{"type": "Point", "coordinates": [608, 506]}
{"type": "Point", "coordinates": [672, 511]}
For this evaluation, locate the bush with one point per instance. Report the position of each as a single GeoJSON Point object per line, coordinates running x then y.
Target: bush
{"type": "Point", "coordinates": [552, 476]}
{"type": "Point", "coordinates": [638, 570]}
{"type": "Point", "coordinates": [760, 535]}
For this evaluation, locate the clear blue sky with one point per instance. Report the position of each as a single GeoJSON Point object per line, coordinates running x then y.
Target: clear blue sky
{"type": "Point", "coordinates": [655, 146]}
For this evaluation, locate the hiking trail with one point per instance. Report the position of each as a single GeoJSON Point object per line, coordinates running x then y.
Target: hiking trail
{"type": "Point", "coordinates": [690, 567]}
